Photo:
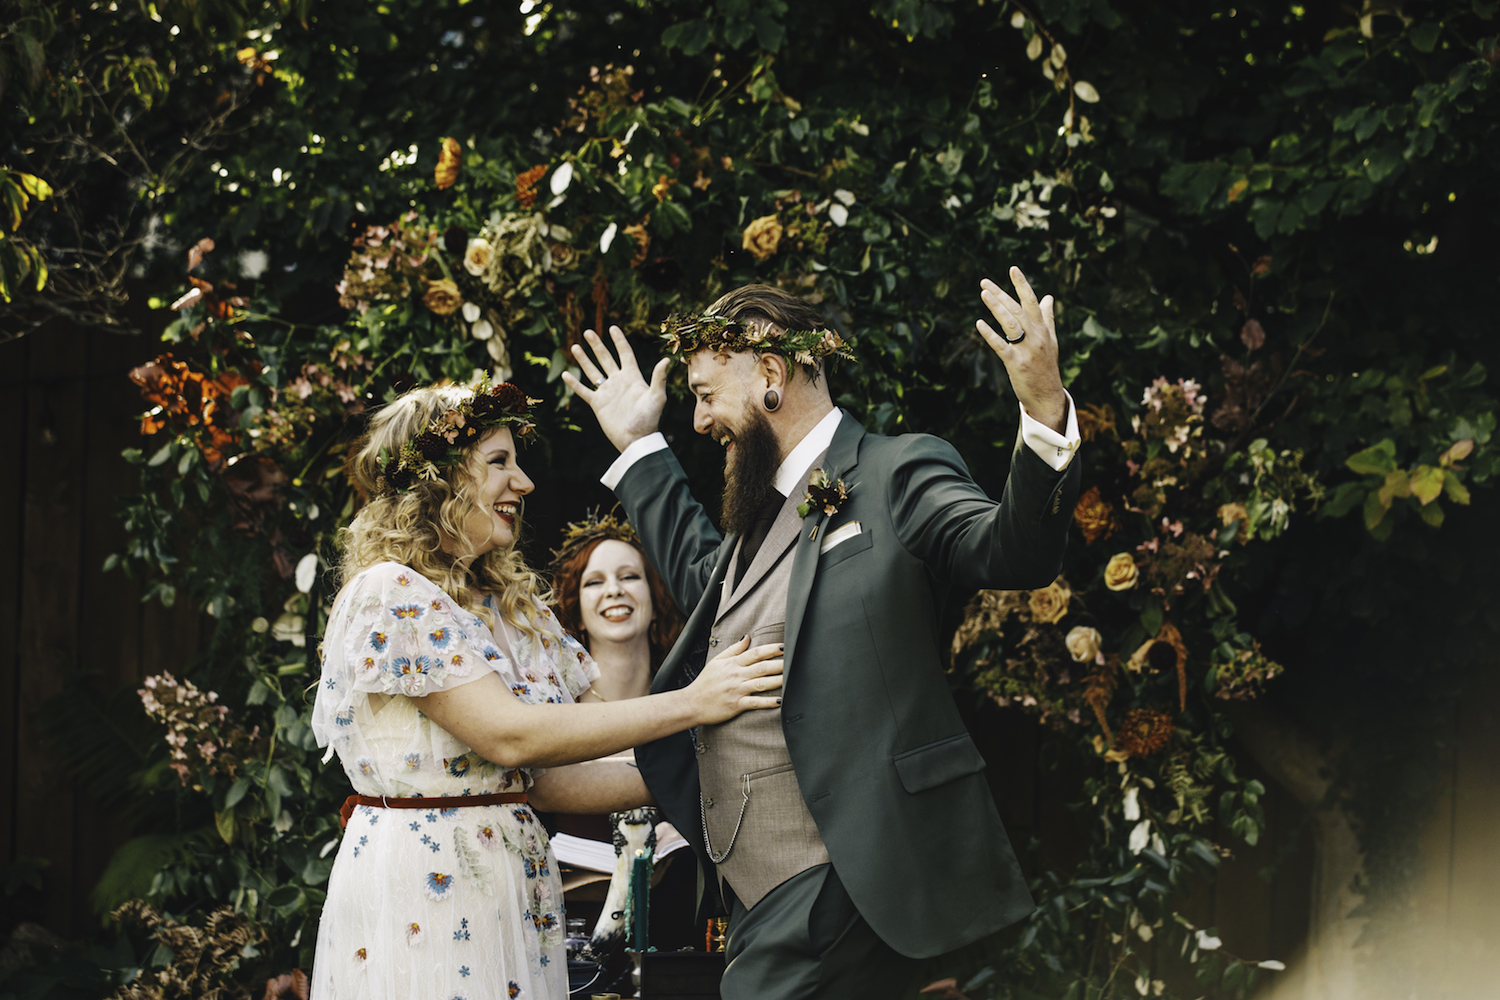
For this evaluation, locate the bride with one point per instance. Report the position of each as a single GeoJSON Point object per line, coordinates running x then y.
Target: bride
{"type": "Point", "coordinates": [450, 694]}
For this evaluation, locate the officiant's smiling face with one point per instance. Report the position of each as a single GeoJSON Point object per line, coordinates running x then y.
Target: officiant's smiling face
{"type": "Point", "coordinates": [730, 389]}
{"type": "Point", "coordinates": [614, 598]}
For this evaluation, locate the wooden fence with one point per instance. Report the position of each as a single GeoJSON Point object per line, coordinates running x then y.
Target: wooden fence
{"type": "Point", "coordinates": [66, 416]}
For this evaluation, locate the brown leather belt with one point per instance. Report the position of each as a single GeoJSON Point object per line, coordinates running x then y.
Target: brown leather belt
{"type": "Point", "coordinates": [424, 802]}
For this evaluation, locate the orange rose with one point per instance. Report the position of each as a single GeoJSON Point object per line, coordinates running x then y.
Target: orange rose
{"type": "Point", "coordinates": [1095, 517]}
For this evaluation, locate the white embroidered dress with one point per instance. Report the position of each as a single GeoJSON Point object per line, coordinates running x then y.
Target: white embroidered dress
{"type": "Point", "coordinates": [452, 904]}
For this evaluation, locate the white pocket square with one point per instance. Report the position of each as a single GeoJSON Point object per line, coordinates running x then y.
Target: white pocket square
{"type": "Point", "coordinates": [842, 533]}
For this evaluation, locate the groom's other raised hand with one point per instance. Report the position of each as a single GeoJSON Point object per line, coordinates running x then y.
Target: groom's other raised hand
{"type": "Point", "coordinates": [1028, 348]}
{"type": "Point", "coordinates": [627, 406]}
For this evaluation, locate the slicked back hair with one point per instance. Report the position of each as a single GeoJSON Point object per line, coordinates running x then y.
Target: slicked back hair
{"type": "Point", "coordinates": [769, 302]}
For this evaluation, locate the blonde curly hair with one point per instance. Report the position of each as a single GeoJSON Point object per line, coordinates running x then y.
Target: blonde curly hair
{"type": "Point", "coordinates": [410, 528]}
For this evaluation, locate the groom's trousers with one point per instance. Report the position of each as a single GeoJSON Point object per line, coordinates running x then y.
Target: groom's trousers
{"type": "Point", "coordinates": [806, 941]}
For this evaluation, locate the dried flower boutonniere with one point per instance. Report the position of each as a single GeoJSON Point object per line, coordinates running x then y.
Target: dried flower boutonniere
{"type": "Point", "coordinates": [827, 492]}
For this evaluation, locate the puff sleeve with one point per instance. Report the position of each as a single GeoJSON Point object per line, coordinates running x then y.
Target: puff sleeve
{"type": "Point", "coordinates": [394, 632]}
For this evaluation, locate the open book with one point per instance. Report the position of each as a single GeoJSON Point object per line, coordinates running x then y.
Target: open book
{"type": "Point", "coordinates": [599, 855]}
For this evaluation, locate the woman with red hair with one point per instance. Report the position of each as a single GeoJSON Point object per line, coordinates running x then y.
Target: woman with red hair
{"type": "Point", "coordinates": [610, 598]}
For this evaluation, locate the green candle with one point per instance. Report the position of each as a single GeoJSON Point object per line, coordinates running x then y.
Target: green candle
{"type": "Point", "coordinates": [640, 892]}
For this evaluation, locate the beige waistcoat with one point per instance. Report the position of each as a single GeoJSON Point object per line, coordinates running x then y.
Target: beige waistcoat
{"type": "Point", "coordinates": [755, 821]}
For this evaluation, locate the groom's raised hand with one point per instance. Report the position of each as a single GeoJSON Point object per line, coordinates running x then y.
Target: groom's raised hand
{"type": "Point", "coordinates": [1028, 349]}
{"type": "Point", "coordinates": [627, 406]}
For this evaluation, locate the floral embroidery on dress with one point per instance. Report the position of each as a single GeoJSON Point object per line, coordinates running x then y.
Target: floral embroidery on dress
{"type": "Point", "coordinates": [438, 885]}
{"type": "Point", "coordinates": [513, 990]}
{"type": "Point", "coordinates": [413, 762]}
{"type": "Point", "coordinates": [488, 838]}
{"type": "Point", "coordinates": [408, 611]}
{"type": "Point", "coordinates": [414, 934]}
{"type": "Point", "coordinates": [458, 766]}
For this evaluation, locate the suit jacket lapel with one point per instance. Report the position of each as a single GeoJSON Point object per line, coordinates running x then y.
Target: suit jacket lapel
{"type": "Point", "coordinates": [843, 455]}
{"type": "Point", "coordinates": [783, 532]}
{"type": "Point", "coordinates": [699, 622]}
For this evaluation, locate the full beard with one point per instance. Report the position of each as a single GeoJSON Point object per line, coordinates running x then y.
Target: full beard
{"type": "Point", "coordinates": [750, 476]}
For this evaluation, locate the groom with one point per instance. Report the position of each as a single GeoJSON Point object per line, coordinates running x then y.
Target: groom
{"type": "Point", "coordinates": [850, 832]}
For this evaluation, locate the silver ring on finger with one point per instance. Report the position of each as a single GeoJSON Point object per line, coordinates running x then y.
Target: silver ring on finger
{"type": "Point", "coordinates": [1008, 340]}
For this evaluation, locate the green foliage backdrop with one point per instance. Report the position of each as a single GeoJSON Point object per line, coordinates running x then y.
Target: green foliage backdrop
{"type": "Point", "coordinates": [1265, 224]}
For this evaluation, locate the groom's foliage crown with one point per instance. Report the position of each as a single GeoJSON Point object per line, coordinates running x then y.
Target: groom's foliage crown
{"type": "Point", "coordinates": [684, 336]}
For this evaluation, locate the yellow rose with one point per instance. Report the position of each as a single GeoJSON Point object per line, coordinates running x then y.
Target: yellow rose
{"type": "Point", "coordinates": [1083, 644]}
{"type": "Point", "coordinates": [1121, 571]}
{"type": "Point", "coordinates": [477, 257]}
{"type": "Point", "coordinates": [442, 297]}
{"type": "Point", "coordinates": [1051, 603]}
{"type": "Point", "coordinates": [763, 236]}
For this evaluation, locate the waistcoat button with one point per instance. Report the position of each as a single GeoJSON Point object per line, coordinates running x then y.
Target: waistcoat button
{"type": "Point", "coordinates": [713, 641]}
{"type": "Point", "coordinates": [708, 803]}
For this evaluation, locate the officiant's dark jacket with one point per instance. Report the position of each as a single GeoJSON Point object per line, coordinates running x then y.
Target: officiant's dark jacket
{"type": "Point", "coordinates": [882, 758]}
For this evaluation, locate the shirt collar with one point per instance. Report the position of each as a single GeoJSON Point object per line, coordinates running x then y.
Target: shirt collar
{"type": "Point", "coordinates": [793, 470]}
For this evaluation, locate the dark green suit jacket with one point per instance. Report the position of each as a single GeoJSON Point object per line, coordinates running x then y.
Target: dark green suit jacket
{"type": "Point", "coordinates": [884, 762]}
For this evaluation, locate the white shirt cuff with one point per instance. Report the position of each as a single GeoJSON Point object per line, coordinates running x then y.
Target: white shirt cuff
{"type": "Point", "coordinates": [637, 450]}
{"type": "Point", "coordinates": [1055, 449]}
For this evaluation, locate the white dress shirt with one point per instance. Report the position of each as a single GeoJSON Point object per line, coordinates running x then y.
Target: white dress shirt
{"type": "Point", "coordinates": [1055, 449]}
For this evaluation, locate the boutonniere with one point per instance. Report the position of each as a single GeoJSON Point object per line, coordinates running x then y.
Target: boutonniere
{"type": "Point", "coordinates": [825, 491]}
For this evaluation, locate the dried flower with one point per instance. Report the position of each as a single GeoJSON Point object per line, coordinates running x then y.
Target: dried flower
{"type": "Point", "coordinates": [443, 297]}
{"type": "Point", "coordinates": [985, 615]}
{"type": "Point", "coordinates": [526, 185]}
{"type": "Point", "coordinates": [1095, 420]}
{"type": "Point", "coordinates": [1165, 651]}
{"type": "Point", "coordinates": [662, 189]}
{"type": "Point", "coordinates": [203, 959]}
{"type": "Point", "coordinates": [1095, 517]}
{"type": "Point", "coordinates": [1050, 604]}
{"type": "Point", "coordinates": [445, 174]}
{"type": "Point", "coordinates": [564, 256]}
{"type": "Point", "coordinates": [641, 239]}
{"type": "Point", "coordinates": [1120, 573]}
{"type": "Point", "coordinates": [1144, 732]}
{"type": "Point", "coordinates": [202, 737]}
{"type": "Point", "coordinates": [763, 236]}
{"type": "Point", "coordinates": [293, 985]}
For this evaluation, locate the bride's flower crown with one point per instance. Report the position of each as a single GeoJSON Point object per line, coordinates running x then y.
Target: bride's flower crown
{"type": "Point", "coordinates": [684, 336]}
{"type": "Point", "coordinates": [446, 439]}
